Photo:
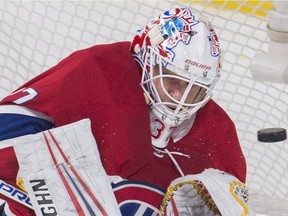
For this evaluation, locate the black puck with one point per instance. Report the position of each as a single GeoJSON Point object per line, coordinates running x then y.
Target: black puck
{"type": "Point", "coordinates": [272, 134]}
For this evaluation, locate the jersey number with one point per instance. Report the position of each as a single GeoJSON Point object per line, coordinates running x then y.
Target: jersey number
{"type": "Point", "coordinates": [25, 94]}
{"type": "Point", "coordinates": [159, 128]}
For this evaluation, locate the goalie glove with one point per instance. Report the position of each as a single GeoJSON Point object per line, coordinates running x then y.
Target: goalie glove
{"type": "Point", "coordinates": [212, 192]}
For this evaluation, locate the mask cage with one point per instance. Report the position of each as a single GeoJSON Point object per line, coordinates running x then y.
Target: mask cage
{"type": "Point", "coordinates": [175, 109]}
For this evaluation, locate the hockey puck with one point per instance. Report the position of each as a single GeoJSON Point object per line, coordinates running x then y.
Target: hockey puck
{"type": "Point", "coordinates": [272, 134]}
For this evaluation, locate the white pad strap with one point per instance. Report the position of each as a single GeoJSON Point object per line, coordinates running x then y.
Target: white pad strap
{"type": "Point", "coordinates": [281, 6]}
{"type": "Point", "coordinates": [277, 28]}
{"type": "Point", "coordinates": [277, 35]}
{"type": "Point", "coordinates": [277, 48]}
{"type": "Point", "coordinates": [270, 68]}
{"type": "Point", "coordinates": [278, 21]}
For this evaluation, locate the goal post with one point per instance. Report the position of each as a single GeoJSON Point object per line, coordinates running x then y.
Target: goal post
{"type": "Point", "coordinates": [36, 35]}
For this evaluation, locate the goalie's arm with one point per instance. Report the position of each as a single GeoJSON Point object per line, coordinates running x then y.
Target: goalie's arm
{"type": "Point", "coordinates": [17, 121]}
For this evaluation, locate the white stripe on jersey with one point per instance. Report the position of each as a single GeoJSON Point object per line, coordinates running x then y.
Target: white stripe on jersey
{"type": "Point", "coordinates": [16, 109]}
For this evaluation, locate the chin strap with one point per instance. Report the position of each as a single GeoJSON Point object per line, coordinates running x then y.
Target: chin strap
{"type": "Point", "coordinates": [158, 152]}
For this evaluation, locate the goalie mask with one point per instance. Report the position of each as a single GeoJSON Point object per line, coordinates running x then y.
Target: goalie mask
{"type": "Point", "coordinates": [180, 57]}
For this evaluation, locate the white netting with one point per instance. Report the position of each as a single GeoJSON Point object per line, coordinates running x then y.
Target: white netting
{"type": "Point", "coordinates": [35, 35]}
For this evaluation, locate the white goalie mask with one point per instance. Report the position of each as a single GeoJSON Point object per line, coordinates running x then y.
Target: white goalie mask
{"type": "Point", "coordinates": [180, 57]}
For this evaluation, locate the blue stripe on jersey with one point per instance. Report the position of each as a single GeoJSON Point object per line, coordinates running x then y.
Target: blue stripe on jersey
{"type": "Point", "coordinates": [15, 125]}
{"type": "Point", "coordinates": [139, 183]}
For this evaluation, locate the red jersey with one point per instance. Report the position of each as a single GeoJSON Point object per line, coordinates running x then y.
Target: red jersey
{"type": "Point", "coordinates": [102, 83]}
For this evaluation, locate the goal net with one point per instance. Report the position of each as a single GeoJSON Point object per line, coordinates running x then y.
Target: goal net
{"type": "Point", "coordinates": [35, 35]}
